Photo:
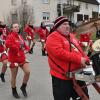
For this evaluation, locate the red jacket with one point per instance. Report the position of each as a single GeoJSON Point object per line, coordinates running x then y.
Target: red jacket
{"type": "Point", "coordinates": [15, 53]}
{"type": "Point", "coordinates": [43, 33]}
{"type": "Point", "coordinates": [2, 40]}
{"type": "Point", "coordinates": [85, 37]}
{"type": "Point", "coordinates": [30, 32]}
{"type": "Point", "coordinates": [58, 49]}
{"type": "Point", "coordinates": [2, 47]}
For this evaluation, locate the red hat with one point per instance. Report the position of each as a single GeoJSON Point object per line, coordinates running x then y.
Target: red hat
{"type": "Point", "coordinates": [1, 29]}
{"type": "Point", "coordinates": [58, 22]}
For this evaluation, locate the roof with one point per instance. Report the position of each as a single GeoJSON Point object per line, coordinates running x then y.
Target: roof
{"type": "Point", "coordinates": [90, 1]}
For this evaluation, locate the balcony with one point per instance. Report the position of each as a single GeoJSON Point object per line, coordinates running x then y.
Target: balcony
{"type": "Point", "coordinates": [68, 8]}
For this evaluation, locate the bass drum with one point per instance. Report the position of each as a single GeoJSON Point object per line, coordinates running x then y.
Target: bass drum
{"type": "Point", "coordinates": [96, 57]}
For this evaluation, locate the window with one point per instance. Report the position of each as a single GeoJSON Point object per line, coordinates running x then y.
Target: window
{"type": "Point", "coordinates": [46, 15]}
{"type": "Point", "coordinates": [24, 1]}
{"type": "Point", "coordinates": [86, 17]}
{"type": "Point", "coordinates": [13, 2]}
{"type": "Point", "coordinates": [94, 14]}
{"type": "Point", "coordinates": [79, 17]}
{"type": "Point", "coordinates": [45, 1]}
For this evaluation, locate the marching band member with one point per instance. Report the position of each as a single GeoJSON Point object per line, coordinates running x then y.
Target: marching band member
{"type": "Point", "coordinates": [43, 33]}
{"type": "Point", "coordinates": [64, 55]}
{"type": "Point", "coordinates": [3, 53]}
{"type": "Point", "coordinates": [30, 30]}
{"type": "Point", "coordinates": [86, 42]}
{"type": "Point", "coordinates": [16, 57]}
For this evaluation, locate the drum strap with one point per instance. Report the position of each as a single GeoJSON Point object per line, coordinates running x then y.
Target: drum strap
{"type": "Point", "coordinates": [63, 72]}
{"type": "Point", "coordinates": [69, 67]}
{"type": "Point", "coordinates": [71, 43]}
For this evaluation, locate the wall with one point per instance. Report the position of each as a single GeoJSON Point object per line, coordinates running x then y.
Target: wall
{"type": "Point", "coordinates": [5, 7]}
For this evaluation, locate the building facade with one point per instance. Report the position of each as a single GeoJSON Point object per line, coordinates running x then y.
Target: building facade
{"type": "Point", "coordinates": [79, 10]}
{"type": "Point", "coordinates": [36, 11]}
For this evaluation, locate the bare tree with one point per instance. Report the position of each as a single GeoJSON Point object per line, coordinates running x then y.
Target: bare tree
{"type": "Point", "coordinates": [23, 14]}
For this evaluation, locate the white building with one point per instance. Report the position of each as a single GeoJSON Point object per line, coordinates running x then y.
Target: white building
{"type": "Point", "coordinates": [88, 9]}
{"type": "Point", "coordinates": [79, 10]}
{"type": "Point", "coordinates": [36, 11]}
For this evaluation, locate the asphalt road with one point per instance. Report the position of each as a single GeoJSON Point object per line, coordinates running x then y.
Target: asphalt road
{"type": "Point", "coordinates": [39, 85]}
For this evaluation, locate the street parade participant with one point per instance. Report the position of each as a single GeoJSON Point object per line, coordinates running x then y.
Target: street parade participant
{"type": "Point", "coordinates": [43, 33]}
{"type": "Point", "coordinates": [64, 55]}
{"type": "Point", "coordinates": [95, 56]}
{"type": "Point", "coordinates": [3, 52]}
{"type": "Point", "coordinates": [16, 57]}
{"type": "Point", "coordinates": [30, 32]}
{"type": "Point", "coordinates": [86, 42]}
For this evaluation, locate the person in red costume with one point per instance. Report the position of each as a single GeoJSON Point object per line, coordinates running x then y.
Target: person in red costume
{"type": "Point", "coordinates": [16, 57]}
{"type": "Point", "coordinates": [64, 55]}
{"type": "Point", "coordinates": [30, 30]}
{"type": "Point", "coordinates": [86, 42]}
{"type": "Point", "coordinates": [3, 53]}
{"type": "Point", "coordinates": [43, 33]}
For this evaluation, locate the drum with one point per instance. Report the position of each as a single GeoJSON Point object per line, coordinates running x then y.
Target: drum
{"type": "Point", "coordinates": [96, 57]}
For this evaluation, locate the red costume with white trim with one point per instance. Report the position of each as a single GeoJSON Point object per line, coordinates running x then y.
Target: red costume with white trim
{"type": "Point", "coordinates": [17, 46]}
{"type": "Point", "coordinates": [3, 54]}
{"type": "Point", "coordinates": [43, 33]}
{"type": "Point", "coordinates": [30, 32]}
{"type": "Point", "coordinates": [85, 39]}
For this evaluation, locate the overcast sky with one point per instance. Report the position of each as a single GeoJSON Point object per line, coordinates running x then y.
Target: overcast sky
{"type": "Point", "coordinates": [98, 0]}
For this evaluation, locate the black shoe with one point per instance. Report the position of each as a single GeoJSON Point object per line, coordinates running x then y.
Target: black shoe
{"type": "Point", "coordinates": [14, 93]}
{"type": "Point", "coordinates": [2, 77]}
{"type": "Point", "coordinates": [23, 89]}
{"type": "Point", "coordinates": [31, 51]}
{"type": "Point", "coordinates": [43, 53]}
